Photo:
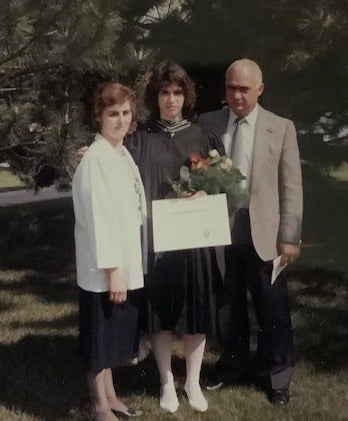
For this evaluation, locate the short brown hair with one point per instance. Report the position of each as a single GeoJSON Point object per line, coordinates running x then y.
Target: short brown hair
{"type": "Point", "coordinates": [167, 73]}
{"type": "Point", "coordinates": [107, 94]}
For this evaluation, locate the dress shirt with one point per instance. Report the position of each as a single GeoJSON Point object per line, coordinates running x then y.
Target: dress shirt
{"type": "Point", "coordinates": [246, 138]}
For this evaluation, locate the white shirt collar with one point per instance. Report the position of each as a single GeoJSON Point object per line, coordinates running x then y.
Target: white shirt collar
{"type": "Point", "coordinates": [250, 118]}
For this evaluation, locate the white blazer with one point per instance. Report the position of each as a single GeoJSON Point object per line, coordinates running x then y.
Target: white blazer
{"type": "Point", "coordinates": [107, 216]}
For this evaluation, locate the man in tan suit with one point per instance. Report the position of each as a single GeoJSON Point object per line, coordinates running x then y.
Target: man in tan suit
{"type": "Point", "coordinates": [264, 146]}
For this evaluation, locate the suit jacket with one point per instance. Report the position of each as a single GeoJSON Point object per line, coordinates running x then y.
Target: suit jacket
{"type": "Point", "coordinates": [107, 228]}
{"type": "Point", "coordinates": [276, 203]}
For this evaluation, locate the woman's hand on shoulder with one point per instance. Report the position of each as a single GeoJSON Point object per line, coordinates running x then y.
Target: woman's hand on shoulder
{"type": "Point", "coordinates": [81, 152]}
{"type": "Point", "coordinates": [117, 285]}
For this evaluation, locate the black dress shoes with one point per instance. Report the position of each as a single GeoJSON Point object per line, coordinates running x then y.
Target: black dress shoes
{"type": "Point", "coordinates": [279, 396]}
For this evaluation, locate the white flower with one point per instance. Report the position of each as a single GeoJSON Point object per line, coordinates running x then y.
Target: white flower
{"type": "Point", "coordinates": [226, 164]}
{"type": "Point", "coordinates": [214, 153]}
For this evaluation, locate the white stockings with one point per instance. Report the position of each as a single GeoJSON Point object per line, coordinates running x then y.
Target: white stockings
{"type": "Point", "coordinates": [194, 346]}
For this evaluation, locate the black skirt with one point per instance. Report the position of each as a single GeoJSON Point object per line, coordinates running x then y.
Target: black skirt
{"type": "Point", "coordinates": [181, 290]}
{"type": "Point", "coordinates": [109, 333]}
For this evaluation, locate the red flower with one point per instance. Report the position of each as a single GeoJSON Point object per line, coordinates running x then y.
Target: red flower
{"type": "Point", "coordinates": [202, 164]}
{"type": "Point", "coordinates": [197, 162]}
{"type": "Point", "coordinates": [195, 158]}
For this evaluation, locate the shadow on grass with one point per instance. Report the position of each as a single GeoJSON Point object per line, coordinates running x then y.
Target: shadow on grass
{"type": "Point", "coordinates": [49, 287]}
{"type": "Point", "coordinates": [320, 311]}
{"type": "Point", "coordinates": [38, 236]}
{"type": "Point", "coordinates": [319, 308]}
{"type": "Point", "coordinates": [325, 228]}
{"type": "Point", "coordinates": [65, 322]}
{"type": "Point", "coordinates": [41, 376]}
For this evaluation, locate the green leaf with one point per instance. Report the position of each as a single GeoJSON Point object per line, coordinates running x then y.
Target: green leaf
{"type": "Point", "coordinates": [184, 173]}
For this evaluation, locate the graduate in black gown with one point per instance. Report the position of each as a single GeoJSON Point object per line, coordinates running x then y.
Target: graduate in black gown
{"type": "Point", "coordinates": [180, 284]}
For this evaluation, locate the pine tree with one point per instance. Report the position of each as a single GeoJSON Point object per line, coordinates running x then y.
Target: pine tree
{"type": "Point", "coordinates": [53, 53]}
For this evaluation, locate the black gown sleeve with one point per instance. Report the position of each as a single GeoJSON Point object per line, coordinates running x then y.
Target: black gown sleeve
{"type": "Point", "coordinates": [212, 141]}
{"type": "Point", "coordinates": [216, 142]}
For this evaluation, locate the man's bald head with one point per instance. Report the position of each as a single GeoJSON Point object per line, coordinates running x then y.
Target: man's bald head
{"type": "Point", "coordinates": [244, 85]}
{"type": "Point", "coordinates": [247, 66]}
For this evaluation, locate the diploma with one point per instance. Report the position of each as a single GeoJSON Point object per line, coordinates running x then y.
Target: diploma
{"type": "Point", "coordinates": [180, 224]}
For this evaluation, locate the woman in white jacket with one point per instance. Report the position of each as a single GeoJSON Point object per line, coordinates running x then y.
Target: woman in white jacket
{"type": "Point", "coordinates": [110, 208]}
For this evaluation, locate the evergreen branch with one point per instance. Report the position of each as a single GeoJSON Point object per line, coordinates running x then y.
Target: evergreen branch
{"type": "Point", "coordinates": [35, 37]}
{"type": "Point", "coordinates": [158, 12]}
{"type": "Point", "coordinates": [34, 69]}
{"type": "Point", "coordinates": [74, 27]}
{"type": "Point", "coordinates": [21, 157]}
{"type": "Point", "coordinates": [144, 25]}
{"type": "Point", "coordinates": [93, 40]}
{"type": "Point", "coordinates": [186, 17]}
{"type": "Point", "coordinates": [22, 144]}
{"type": "Point", "coordinates": [169, 7]}
{"type": "Point", "coordinates": [7, 128]}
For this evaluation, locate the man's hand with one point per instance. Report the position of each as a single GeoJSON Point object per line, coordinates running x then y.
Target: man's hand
{"type": "Point", "coordinates": [117, 285]}
{"type": "Point", "coordinates": [80, 152]}
{"type": "Point", "coordinates": [288, 252]}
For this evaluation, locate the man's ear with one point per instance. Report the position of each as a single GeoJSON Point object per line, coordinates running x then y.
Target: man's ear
{"type": "Point", "coordinates": [261, 88]}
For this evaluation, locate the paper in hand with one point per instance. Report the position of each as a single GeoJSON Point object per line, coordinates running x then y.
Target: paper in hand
{"type": "Point", "coordinates": [277, 269]}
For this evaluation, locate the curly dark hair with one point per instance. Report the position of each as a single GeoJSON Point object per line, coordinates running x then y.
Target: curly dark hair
{"type": "Point", "coordinates": [166, 73]}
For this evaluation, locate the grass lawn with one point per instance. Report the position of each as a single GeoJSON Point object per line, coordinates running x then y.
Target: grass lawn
{"type": "Point", "coordinates": [41, 377]}
{"type": "Point", "coordinates": [340, 173]}
{"type": "Point", "coordinates": [9, 180]}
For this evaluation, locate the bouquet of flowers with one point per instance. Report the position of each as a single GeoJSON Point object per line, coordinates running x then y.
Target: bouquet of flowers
{"type": "Point", "coordinates": [214, 174]}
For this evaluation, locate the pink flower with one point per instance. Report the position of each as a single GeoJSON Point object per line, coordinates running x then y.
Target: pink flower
{"type": "Point", "coordinates": [195, 158]}
{"type": "Point", "coordinates": [202, 164]}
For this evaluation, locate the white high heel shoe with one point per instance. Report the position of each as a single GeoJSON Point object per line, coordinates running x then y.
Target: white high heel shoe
{"type": "Point", "coordinates": [198, 403]}
{"type": "Point", "coordinates": [169, 405]}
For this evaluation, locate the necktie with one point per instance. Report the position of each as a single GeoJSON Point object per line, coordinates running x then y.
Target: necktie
{"type": "Point", "coordinates": [239, 153]}
{"type": "Point", "coordinates": [236, 147]}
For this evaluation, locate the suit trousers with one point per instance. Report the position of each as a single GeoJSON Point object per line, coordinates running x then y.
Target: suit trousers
{"type": "Point", "coordinates": [275, 355]}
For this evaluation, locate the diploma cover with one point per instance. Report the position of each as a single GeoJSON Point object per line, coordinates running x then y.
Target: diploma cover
{"type": "Point", "coordinates": [188, 223]}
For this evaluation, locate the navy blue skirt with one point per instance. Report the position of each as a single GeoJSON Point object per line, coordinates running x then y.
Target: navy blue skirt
{"type": "Point", "coordinates": [109, 333]}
